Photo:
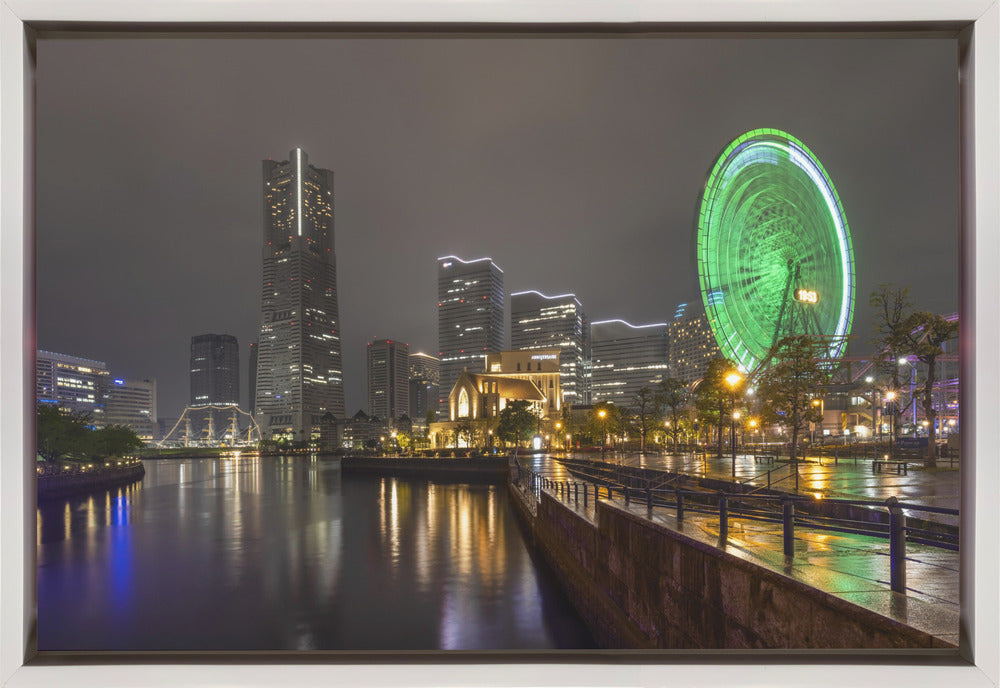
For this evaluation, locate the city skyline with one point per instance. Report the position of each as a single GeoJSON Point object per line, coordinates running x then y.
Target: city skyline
{"type": "Point", "coordinates": [504, 178]}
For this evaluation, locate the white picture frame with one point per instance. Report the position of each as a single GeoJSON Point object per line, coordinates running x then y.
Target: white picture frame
{"type": "Point", "coordinates": [980, 336]}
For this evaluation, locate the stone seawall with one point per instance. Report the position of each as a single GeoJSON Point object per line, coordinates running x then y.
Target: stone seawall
{"type": "Point", "coordinates": [481, 468]}
{"type": "Point", "coordinates": [639, 584]}
{"type": "Point", "coordinates": [72, 483]}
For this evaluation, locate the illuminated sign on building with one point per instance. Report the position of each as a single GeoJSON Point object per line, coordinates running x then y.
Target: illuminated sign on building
{"type": "Point", "coordinates": [544, 357]}
{"type": "Point", "coordinates": [806, 296]}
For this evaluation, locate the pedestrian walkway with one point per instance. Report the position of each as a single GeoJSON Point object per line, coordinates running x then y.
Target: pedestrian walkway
{"type": "Point", "coordinates": [818, 476]}
{"type": "Point", "coordinates": [849, 566]}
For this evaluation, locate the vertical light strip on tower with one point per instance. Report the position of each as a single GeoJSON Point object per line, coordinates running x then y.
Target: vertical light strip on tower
{"type": "Point", "coordinates": [298, 178]}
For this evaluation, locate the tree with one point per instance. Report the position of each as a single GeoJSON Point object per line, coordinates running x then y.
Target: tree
{"type": "Point", "coordinates": [464, 431]}
{"type": "Point", "coordinates": [646, 406]}
{"type": "Point", "coordinates": [892, 306]}
{"type": "Point", "coordinates": [611, 423]}
{"type": "Point", "coordinates": [674, 396]}
{"type": "Point", "coordinates": [926, 336]}
{"type": "Point", "coordinates": [516, 422]}
{"type": "Point", "coordinates": [113, 441]}
{"type": "Point", "coordinates": [788, 386]}
{"type": "Point", "coordinates": [61, 435]}
{"type": "Point", "coordinates": [713, 397]}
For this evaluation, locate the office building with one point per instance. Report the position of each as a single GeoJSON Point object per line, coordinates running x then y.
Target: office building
{"type": "Point", "coordinates": [470, 317]}
{"type": "Point", "coordinates": [215, 370]}
{"type": "Point", "coordinates": [692, 344]}
{"type": "Point", "coordinates": [425, 376]}
{"type": "Point", "coordinates": [388, 378]}
{"type": "Point", "coordinates": [299, 367]}
{"type": "Point", "coordinates": [252, 378]}
{"type": "Point", "coordinates": [539, 322]}
{"type": "Point", "coordinates": [131, 403]}
{"type": "Point", "coordinates": [624, 358]}
{"type": "Point", "coordinates": [72, 382]}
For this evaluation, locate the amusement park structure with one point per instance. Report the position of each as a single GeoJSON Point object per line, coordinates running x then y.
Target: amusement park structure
{"type": "Point", "coordinates": [212, 425]}
{"type": "Point", "coordinates": [774, 250]}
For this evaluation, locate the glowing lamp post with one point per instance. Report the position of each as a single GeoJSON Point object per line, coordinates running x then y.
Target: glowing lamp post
{"type": "Point", "coordinates": [604, 431]}
{"type": "Point", "coordinates": [558, 428]}
{"type": "Point", "coordinates": [733, 380]}
{"type": "Point", "coordinates": [890, 397]}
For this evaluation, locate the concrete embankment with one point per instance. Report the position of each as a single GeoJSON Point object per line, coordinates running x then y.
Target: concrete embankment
{"type": "Point", "coordinates": [480, 468]}
{"type": "Point", "coordinates": [69, 483]}
{"type": "Point", "coordinates": [639, 584]}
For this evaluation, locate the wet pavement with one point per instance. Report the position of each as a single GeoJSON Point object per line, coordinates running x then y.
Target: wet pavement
{"type": "Point", "coordinates": [853, 567]}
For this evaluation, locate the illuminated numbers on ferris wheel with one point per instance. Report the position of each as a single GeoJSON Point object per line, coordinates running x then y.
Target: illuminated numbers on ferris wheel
{"type": "Point", "coordinates": [806, 296]}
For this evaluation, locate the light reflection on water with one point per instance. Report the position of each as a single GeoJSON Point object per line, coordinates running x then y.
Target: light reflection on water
{"type": "Point", "coordinates": [285, 553]}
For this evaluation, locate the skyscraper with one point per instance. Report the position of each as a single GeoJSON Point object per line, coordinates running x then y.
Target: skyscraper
{"type": "Point", "coordinates": [538, 321]}
{"type": "Point", "coordinates": [215, 370]}
{"type": "Point", "coordinates": [252, 378]}
{"type": "Point", "coordinates": [388, 379]}
{"type": "Point", "coordinates": [470, 317]}
{"type": "Point", "coordinates": [692, 344]}
{"type": "Point", "coordinates": [425, 378]}
{"type": "Point", "coordinates": [625, 358]}
{"type": "Point", "coordinates": [299, 369]}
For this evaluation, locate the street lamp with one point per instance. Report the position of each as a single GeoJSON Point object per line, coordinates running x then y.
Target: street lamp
{"type": "Point", "coordinates": [559, 427]}
{"type": "Point", "coordinates": [604, 431]}
{"type": "Point", "coordinates": [490, 447]}
{"type": "Point", "coordinates": [733, 379]}
{"type": "Point", "coordinates": [890, 397]}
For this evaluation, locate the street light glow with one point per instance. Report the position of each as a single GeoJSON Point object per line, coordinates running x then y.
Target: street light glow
{"type": "Point", "coordinates": [734, 379]}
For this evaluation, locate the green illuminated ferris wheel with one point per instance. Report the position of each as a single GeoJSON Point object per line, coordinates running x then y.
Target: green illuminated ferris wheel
{"type": "Point", "coordinates": [774, 249]}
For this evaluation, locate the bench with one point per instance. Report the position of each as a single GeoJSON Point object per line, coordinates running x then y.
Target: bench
{"type": "Point", "coordinates": [879, 464]}
{"type": "Point", "coordinates": [764, 458]}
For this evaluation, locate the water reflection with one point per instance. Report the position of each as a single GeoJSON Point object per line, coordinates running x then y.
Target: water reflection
{"type": "Point", "coordinates": [286, 553]}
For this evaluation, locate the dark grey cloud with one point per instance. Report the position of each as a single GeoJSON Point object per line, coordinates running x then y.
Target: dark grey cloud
{"type": "Point", "coordinates": [575, 163]}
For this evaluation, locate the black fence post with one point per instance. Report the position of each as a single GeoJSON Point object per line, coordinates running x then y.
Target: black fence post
{"type": "Point", "coordinates": [788, 526]}
{"type": "Point", "coordinates": [679, 497]}
{"type": "Point", "coordinates": [723, 517]}
{"type": "Point", "coordinates": [576, 493]}
{"type": "Point", "coordinates": [585, 494]}
{"type": "Point", "coordinates": [897, 546]}
{"type": "Point", "coordinates": [649, 498]}
{"type": "Point", "coordinates": [626, 495]}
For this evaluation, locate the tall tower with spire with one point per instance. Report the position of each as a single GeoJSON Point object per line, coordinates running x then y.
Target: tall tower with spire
{"type": "Point", "coordinates": [299, 366]}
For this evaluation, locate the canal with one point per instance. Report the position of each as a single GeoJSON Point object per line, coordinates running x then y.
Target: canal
{"type": "Point", "coordinates": [281, 553]}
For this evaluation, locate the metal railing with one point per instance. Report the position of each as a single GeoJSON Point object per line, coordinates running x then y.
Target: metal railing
{"type": "Point", "coordinates": [762, 508]}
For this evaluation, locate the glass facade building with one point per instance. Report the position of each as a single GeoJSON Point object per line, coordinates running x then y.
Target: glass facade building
{"type": "Point", "coordinates": [470, 317]}
{"type": "Point", "coordinates": [538, 321]}
{"type": "Point", "coordinates": [624, 358]}
{"type": "Point", "coordinates": [299, 365]}
{"type": "Point", "coordinates": [425, 379]}
{"type": "Point", "coordinates": [388, 379]}
{"type": "Point", "coordinates": [215, 370]}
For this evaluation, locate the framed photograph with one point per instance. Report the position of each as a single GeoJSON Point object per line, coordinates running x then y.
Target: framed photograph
{"type": "Point", "coordinates": [658, 331]}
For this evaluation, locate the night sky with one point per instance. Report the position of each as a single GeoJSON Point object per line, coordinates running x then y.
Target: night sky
{"type": "Point", "coordinates": [576, 164]}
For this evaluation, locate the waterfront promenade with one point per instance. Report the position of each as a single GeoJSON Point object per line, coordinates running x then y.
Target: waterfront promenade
{"type": "Point", "coordinates": [852, 566]}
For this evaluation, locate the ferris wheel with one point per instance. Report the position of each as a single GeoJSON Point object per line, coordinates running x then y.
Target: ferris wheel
{"type": "Point", "coordinates": [773, 249]}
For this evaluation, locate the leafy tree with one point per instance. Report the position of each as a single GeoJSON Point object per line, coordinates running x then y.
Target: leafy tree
{"type": "Point", "coordinates": [61, 435]}
{"type": "Point", "coordinates": [516, 422]}
{"type": "Point", "coordinates": [926, 335]}
{"type": "Point", "coordinates": [673, 395]}
{"type": "Point", "coordinates": [787, 387]}
{"type": "Point", "coordinates": [646, 406]}
{"type": "Point", "coordinates": [113, 441]}
{"type": "Point", "coordinates": [713, 397]}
